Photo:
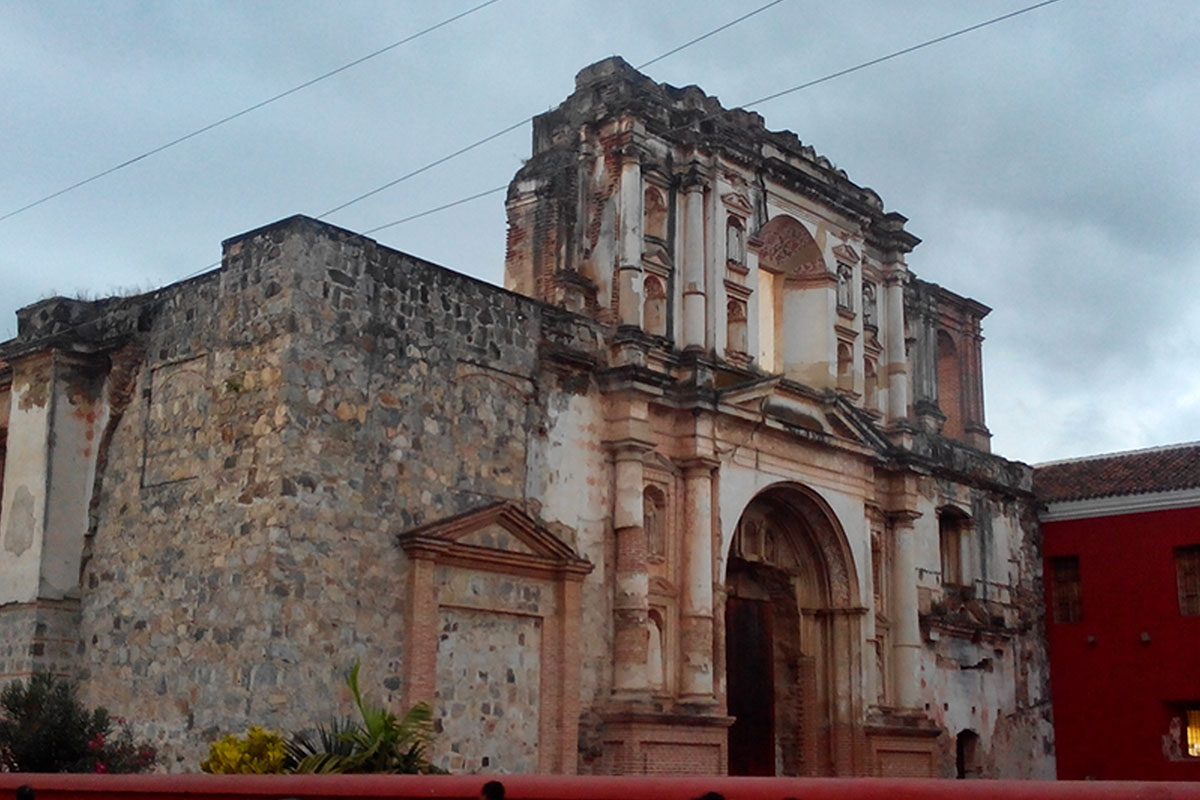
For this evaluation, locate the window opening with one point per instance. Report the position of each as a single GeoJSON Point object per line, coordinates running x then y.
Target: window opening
{"type": "Point", "coordinates": [1187, 573]}
{"type": "Point", "coordinates": [1066, 591]}
{"type": "Point", "coordinates": [951, 525]}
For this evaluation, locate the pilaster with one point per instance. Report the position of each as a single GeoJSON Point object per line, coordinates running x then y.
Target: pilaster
{"type": "Point", "coordinates": [906, 631]}
{"type": "Point", "coordinates": [631, 585]}
{"type": "Point", "coordinates": [629, 266]}
{"type": "Point", "coordinates": [695, 296]}
{"type": "Point", "coordinates": [56, 415]}
{"type": "Point", "coordinates": [696, 640]}
{"type": "Point", "coordinates": [897, 361]}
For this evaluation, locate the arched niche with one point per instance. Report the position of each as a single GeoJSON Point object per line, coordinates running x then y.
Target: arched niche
{"type": "Point", "coordinates": [654, 311]}
{"type": "Point", "coordinates": [654, 205]}
{"type": "Point", "coordinates": [796, 303]}
{"type": "Point", "coordinates": [785, 247]}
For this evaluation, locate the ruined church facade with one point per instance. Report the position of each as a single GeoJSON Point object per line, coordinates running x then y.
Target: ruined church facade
{"type": "Point", "coordinates": [705, 489]}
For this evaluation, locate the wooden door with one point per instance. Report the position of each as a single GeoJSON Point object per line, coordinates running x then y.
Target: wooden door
{"type": "Point", "coordinates": [750, 679]}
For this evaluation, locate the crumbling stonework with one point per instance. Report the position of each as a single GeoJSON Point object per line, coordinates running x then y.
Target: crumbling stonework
{"type": "Point", "coordinates": [715, 471]}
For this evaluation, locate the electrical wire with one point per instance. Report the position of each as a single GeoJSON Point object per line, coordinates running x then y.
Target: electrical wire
{"type": "Point", "coordinates": [527, 120]}
{"type": "Point", "coordinates": [759, 101]}
{"type": "Point", "coordinates": [898, 53]}
{"type": "Point", "coordinates": [427, 212]}
{"type": "Point", "coordinates": [247, 110]}
{"type": "Point", "coordinates": [702, 37]}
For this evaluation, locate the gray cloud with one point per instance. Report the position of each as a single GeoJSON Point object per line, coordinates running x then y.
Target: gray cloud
{"type": "Point", "coordinates": [1049, 162]}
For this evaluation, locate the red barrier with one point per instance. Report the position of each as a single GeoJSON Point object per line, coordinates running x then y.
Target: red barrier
{"type": "Point", "coordinates": [545, 787]}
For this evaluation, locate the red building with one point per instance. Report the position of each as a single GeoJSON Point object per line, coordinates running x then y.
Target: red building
{"type": "Point", "coordinates": [1122, 568]}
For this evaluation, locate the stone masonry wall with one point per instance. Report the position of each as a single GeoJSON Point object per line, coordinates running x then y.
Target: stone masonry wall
{"type": "Point", "coordinates": [38, 636]}
{"type": "Point", "coordinates": [297, 409]}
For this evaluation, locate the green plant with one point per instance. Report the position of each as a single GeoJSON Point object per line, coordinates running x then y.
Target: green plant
{"type": "Point", "coordinates": [381, 743]}
{"type": "Point", "coordinates": [44, 728]}
{"type": "Point", "coordinates": [260, 752]}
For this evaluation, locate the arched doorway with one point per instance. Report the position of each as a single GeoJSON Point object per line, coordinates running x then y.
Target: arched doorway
{"type": "Point", "coordinates": [966, 747]}
{"type": "Point", "coordinates": [792, 647]}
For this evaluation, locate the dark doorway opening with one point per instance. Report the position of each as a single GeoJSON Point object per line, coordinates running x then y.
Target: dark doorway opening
{"type": "Point", "coordinates": [967, 760]}
{"type": "Point", "coordinates": [749, 657]}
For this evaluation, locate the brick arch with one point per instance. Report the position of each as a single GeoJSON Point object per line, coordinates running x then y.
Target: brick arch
{"type": "Point", "coordinates": [825, 532]}
{"type": "Point", "coordinates": [793, 641]}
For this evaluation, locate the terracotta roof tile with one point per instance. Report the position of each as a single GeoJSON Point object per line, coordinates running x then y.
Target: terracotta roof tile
{"type": "Point", "coordinates": [1159, 469]}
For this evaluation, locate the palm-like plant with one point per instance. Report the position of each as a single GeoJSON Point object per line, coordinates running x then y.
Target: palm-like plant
{"type": "Point", "coordinates": [381, 743]}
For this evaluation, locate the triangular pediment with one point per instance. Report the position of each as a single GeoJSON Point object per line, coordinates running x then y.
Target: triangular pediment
{"type": "Point", "coordinates": [737, 201]}
{"type": "Point", "coordinates": [803, 411]}
{"type": "Point", "coordinates": [500, 536]}
{"type": "Point", "coordinates": [846, 254]}
{"type": "Point", "coordinates": [496, 537]}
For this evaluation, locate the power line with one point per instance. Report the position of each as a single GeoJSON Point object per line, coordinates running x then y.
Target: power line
{"type": "Point", "coordinates": [426, 168]}
{"type": "Point", "coordinates": [527, 120]}
{"type": "Point", "coordinates": [713, 32]}
{"type": "Point", "coordinates": [759, 101]}
{"type": "Point", "coordinates": [247, 110]}
{"type": "Point", "coordinates": [898, 53]}
{"type": "Point", "coordinates": [401, 221]}
{"type": "Point", "coordinates": [485, 140]}
{"type": "Point", "coordinates": [427, 212]}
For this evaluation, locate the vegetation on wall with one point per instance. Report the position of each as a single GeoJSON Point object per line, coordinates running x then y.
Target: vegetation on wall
{"type": "Point", "coordinates": [44, 728]}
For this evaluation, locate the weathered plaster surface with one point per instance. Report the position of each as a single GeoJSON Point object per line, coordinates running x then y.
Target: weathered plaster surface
{"type": "Point", "coordinates": [207, 486]}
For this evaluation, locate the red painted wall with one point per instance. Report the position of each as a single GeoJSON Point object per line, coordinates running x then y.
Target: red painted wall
{"type": "Point", "coordinates": [1111, 695]}
{"type": "Point", "coordinates": [542, 787]}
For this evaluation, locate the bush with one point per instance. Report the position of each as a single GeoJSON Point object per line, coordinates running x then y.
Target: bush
{"type": "Point", "coordinates": [261, 752]}
{"type": "Point", "coordinates": [381, 743]}
{"type": "Point", "coordinates": [44, 728]}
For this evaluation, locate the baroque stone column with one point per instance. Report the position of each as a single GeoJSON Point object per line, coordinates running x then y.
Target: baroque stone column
{"type": "Point", "coordinates": [906, 630]}
{"type": "Point", "coordinates": [631, 604]}
{"type": "Point", "coordinates": [629, 267]}
{"type": "Point", "coordinates": [696, 640]}
{"type": "Point", "coordinates": [897, 361]}
{"type": "Point", "coordinates": [695, 298]}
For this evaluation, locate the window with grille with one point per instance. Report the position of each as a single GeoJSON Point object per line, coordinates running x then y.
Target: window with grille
{"type": "Point", "coordinates": [1187, 572]}
{"type": "Point", "coordinates": [1066, 591]}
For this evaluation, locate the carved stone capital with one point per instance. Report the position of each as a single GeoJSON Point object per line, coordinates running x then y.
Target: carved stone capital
{"type": "Point", "coordinates": [698, 466]}
{"type": "Point", "coordinates": [695, 178]}
{"type": "Point", "coordinates": [902, 518]}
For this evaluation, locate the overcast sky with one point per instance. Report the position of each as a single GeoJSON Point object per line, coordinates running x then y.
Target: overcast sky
{"type": "Point", "coordinates": [1049, 162]}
